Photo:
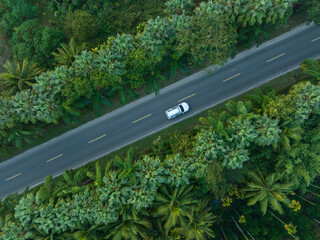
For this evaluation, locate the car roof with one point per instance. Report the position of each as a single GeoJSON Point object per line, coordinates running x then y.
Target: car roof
{"type": "Point", "coordinates": [174, 110]}
{"type": "Point", "coordinates": [185, 106]}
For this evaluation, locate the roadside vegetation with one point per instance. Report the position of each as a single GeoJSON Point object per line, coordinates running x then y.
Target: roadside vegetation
{"type": "Point", "coordinates": [247, 171]}
{"type": "Point", "coordinates": [81, 77]}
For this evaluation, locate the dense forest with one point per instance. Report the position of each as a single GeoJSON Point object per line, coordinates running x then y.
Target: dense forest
{"type": "Point", "coordinates": [41, 88]}
{"type": "Point", "coordinates": [246, 172]}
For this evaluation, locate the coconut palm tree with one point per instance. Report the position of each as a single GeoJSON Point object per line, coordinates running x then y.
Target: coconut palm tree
{"type": "Point", "coordinates": [290, 131]}
{"type": "Point", "coordinates": [172, 205]}
{"type": "Point", "coordinates": [127, 166]}
{"type": "Point", "coordinates": [19, 76]}
{"type": "Point", "coordinates": [97, 177]}
{"type": "Point", "coordinates": [198, 222]}
{"type": "Point", "coordinates": [266, 191]}
{"type": "Point", "coordinates": [66, 54]}
{"type": "Point", "coordinates": [238, 108]}
{"type": "Point", "coordinates": [260, 98]}
{"type": "Point", "coordinates": [85, 232]}
{"type": "Point", "coordinates": [128, 226]}
{"type": "Point", "coordinates": [72, 182]}
{"type": "Point", "coordinates": [16, 136]}
{"type": "Point", "coordinates": [311, 67]}
{"type": "Point", "coordinates": [216, 121]}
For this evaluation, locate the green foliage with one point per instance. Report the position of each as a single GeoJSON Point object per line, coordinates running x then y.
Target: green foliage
{"type": "Point", "coordinates": [16, 12]}
{"type": "Point", "coordinates": [177, 6]}
{"type": "Point", "coordinates": [313, 11]}
{"type": "Point", "coordinates": [179, 170]}
{"type": "Point", "coordinates": [266, 191]}
{"type": "Point", "coordinates": [260, 98]}
{"type": "Point", "coordinates": [151, 172]}
{"type": "Point", "coordinates": [311, 67]}
{"type": "Point", "coordinates": [35, 42]}
{"type": "Point", "coordinates": [198, 224]}
{"type": "Point", "coordinates": [66, 54]}
{"type": "Point", "coordinates": [217, 121]}
{"type": "Point", "coordinates": [127, 166]}
{"type": "Point", "coordinates": [268, 131]}
{"type": "Point", "coordinates": [300, 164]}
{"type": "Point", "coordinates": [114, 201]}
{"type": "Point", "coordinates": [200, 41]}
{"type": "Point", "coordinates": [80, 25]}
{"type": "Point", "coordinates": [129, 226]}
{"type": "Point", "coordinates": [216, 179]}
{"type": "Point", "coordinates": [19, 76]}
{"type": "Point", "coordinates": [171, 205]}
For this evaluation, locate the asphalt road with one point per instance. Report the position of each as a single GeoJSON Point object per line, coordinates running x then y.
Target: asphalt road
{"type": "Point", "coordinates": [146, 115]}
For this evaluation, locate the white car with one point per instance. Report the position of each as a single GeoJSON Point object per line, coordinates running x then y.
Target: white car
{"type": "Point", "coordinates": [178, 110]}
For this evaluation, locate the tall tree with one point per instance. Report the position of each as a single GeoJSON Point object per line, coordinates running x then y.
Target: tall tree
{"type": "Point", "coordinates": [80, 25]}
{"type": "Point", "coordinates": [85, 232]}
{"type": "Point", "coordinates": [67, 52]}
{"type": "Point", "coordinates": [201, 41]}
{"type": "Point", "coordinates": [266, 191]}
{"type": "Point", "coordinates": [197, 224]}
{"type": "Point", "coordinates": [260, 98]}
{"type": "Point", "coordinates": [172, 205]}
{"type": "Point", "coordinates": [311, 67]}
{"type": "Point", "coordinates": [128, 226]}
{"type": "Point", "coordinates": [20, 76]}
{"type": "Point", "coordinates": [290, 132]}
{"type": "Point", "coordinates": [217, 121]}
{"type": "Point", "coordinates": [300, 164]}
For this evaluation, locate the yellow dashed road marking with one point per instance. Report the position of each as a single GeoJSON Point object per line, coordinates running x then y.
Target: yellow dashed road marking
{"type": "Point", "coordinates": [54, 158]}
{"type": "Point", "coordinates": [13, 176]}
{"type": "Point", "coordinates": [276, 57]}
{"type": "Point", "coordinates": [186, 97]}
{"type": "Point", "coordinates": [142, 118]}
{"type": "Point", "coordinates": [97, 138]}
{"type": "Point", "coordinates": [231, 77]}
{"type": "Point", "coordinates": [316, 39]}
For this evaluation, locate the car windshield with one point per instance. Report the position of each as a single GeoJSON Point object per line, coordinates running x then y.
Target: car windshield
{"type": "Point", "coordinates": [182, 110]}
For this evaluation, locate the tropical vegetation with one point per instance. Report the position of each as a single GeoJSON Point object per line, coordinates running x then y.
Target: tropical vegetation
{"type": "Point", "coordinates": [244, 172]}
{"type": "Point", "coordinates": [247, 171]}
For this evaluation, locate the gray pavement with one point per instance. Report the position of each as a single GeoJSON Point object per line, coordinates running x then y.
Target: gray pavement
{"type": "Point", "coordinates": [145, 116]}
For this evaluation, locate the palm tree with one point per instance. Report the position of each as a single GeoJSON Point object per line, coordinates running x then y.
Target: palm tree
{"type": "Point", "coordinates": [19, 76]}
{"type": "Point", "coordinates": [238, 108]}
{"type": "Point", "coordinates": [66, 54]}
{"type": "Point", "coordinates": [290, 131]}
{"type": "Point", "coordinates": [129, 226]}
{"type": "Point", "coordinates": [153, 82]}
{"type": "Point", "coordinates": [216, 121]}
{"type": "Point", "coordinates": [37, 234]}
{"type": "Point", "coordinates": [198, 222]}
{"type": "Point", "coordinates": [172, 205]}
{"type": "Point", "coordinates": [311, 67]}
{"type": "Point", "coordinates": [127, 166]}
{"type": "Point", "coordinates": [260, 98]}
{"type": "Point", "coordinates": [99, 174]}
{"type": "Point", "coordinates": [46, 191]}
{"type": "Point", "coordinates": [72, 182]}
{"type": "Point", "coordinates": [16, 136]}
{"type": "Point", "coordinates": [7, 206]}
{"type": "Point", "coordinates": [85, 232]}
{"type": "Point", "coordinates": [267, 191]}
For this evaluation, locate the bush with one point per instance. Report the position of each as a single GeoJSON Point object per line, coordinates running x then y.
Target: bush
{"type": "Point", "coordinates": [80, 25]}
{"type": "Point", "coordinates": [17, 12]}
{"type": "Point", "coordinates": [35, 42]}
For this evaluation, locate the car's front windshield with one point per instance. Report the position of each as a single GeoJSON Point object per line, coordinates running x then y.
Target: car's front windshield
{"type": "Point", "coordinates": [182, 110]}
